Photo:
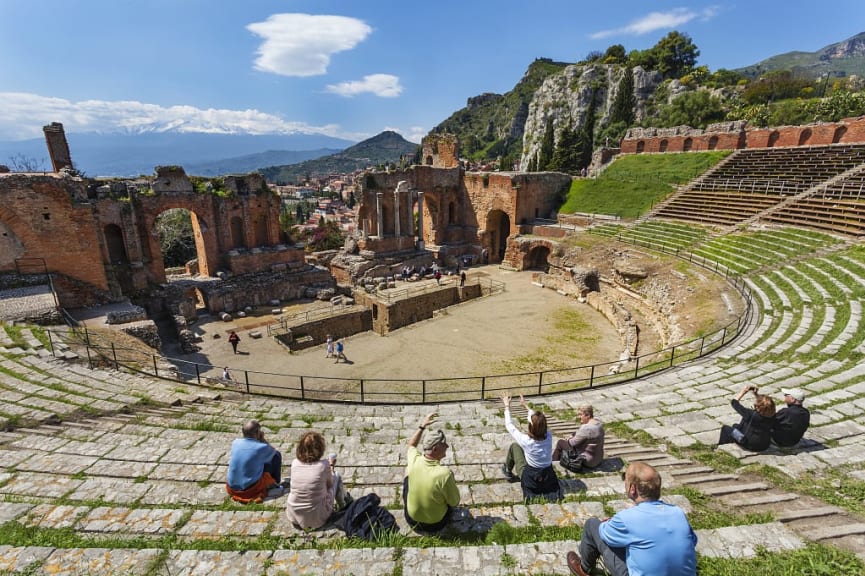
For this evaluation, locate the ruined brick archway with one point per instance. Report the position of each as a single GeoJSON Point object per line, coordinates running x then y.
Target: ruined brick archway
{"type": "Point", "coordinates": [11, 244]}
{"type": "Point", "coordinates": [498, 229]}
{"type": "Point", "coordinates": [530, 253]}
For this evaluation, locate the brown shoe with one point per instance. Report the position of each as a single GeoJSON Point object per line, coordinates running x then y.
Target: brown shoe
{"type": "Point", "coordinates": [575, 565]}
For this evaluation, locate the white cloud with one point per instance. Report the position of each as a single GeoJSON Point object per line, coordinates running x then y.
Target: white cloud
{"type": "Point", "coordinates": [658, 21]}
{"type": "Point", "coordinates": [302, 44]}
{"type": "Point", "coordinates": [25, 114]}
{"type": "Point", "coordinates": [383, 85]}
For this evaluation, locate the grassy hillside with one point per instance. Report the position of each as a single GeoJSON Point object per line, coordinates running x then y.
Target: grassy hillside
{"type": "Point", "coordinates": [633, 184]}
{"type": "Point", "coordinates": [385, 148]}
{"type": "Point", "coordinates": [491, 125]}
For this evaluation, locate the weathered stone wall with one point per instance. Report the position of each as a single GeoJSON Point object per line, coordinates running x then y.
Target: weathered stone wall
{"type": "Point", "coordinates": [440, 151]}
{"type": "Point", "coordinates": [390, 316]}
{"type": "Point", "coordinates": [736, 135]}
{"type": "Point", "coordinates": [352, 322]}
{"type": "Point", "coordinates": [101, 233]}
{"type": "Point", "coordinates": [48, 217]}
{"type": "Point", "coordinates": [463, 213]}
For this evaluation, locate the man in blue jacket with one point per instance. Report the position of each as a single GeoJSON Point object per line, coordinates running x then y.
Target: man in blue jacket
{"type": "Point", "coordinates": [254, 467]}
{"type": "Point", "coordinates": [651, 538]}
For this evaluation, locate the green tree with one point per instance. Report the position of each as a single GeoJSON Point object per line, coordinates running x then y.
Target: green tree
{"type": "Point", "coordinates": [586, 136]}
{"type": "Point", "coordinates": [696, 109]}
{"type": "Point", "coordinates": [615, 54]}
{"type": "Point", "coordinates": [545, 154]}
{"type": "Point", "coordinates": [326, 236]}
{"type": "Point", "coordinates": [775, 86]}
{"type": "Point", "coordinates": [625, 103]}
{"type": "Point", "coordinates": [676, 54]}
{"type": "Point", "coordinates": [646, 59]}
{"type": "Point", "coordinates": [566, 158]}
{"type": "Point", "coordinates": [174, 227]}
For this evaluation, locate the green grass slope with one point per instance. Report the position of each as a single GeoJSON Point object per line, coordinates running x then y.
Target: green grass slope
{"type": "Point", "coordinates": [633, 184]}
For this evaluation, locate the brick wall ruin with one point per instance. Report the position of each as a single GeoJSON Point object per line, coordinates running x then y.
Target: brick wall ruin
{"type": "Point", "coordinates": [98, 237]}
{"type": "Point", "coordinates": [736, 135]}
{"type": "Point", "coordinates": [462, 214]}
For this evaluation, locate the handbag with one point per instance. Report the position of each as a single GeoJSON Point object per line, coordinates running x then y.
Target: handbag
{"type": "Point", "coordinates": [572, 460]}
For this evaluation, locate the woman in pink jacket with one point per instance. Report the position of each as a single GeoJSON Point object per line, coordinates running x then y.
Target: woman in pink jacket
{"type": "Point", "coordinates": [315, 486]}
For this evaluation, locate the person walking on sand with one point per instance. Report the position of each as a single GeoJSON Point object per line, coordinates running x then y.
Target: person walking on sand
{"type": "Point", "coordinates": [340, 352]}
{"type": "Point", "coordinates": [234, 339]}
{"type": "Point", "coordinates": [329, 347]}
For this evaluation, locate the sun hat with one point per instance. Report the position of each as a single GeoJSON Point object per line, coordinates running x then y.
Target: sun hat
{"type": "Point", "coordinates": [432, 439]}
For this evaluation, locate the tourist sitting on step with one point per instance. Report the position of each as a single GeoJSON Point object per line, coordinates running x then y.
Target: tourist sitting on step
{"type": "Point", "coordinates": [585, 447]}
{"type": "Point", "coordinates": [429, 490]}
{"type": "Point", "coordinates": [254, 468]}
{"type": "Point", "coordinates": [649, 537]}
{"type": "Point", "coordinates": [754, 431]}
{"type": "Point", "coordinates": [530, 456]}
{"type": "Point", "coordinates": [316, 487]}
{"type": "Point", "coordinates": [791, 422]}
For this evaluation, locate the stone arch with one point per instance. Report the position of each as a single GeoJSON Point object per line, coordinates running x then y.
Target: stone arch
{"type": "Point", "coordinates": [688, 144]}
{"type": "Point", "coordinates": [115, 244]}
{"type": "Point", "coordinates": [662, 145]}
{"type": "Point", "coordinates": [260, 231]}
{"type": "Point", "coordinates": [537, 258]}
{"type": "Point", "coordinates": [773, 138]}
{"type": "Point", "coordinates": [804, 136]}
{"type": "Point", "coordinates": [238, 238]}
{"type": "Point", "coordinates": [839, 134]}
{"type": "Point", "coordinates": [11, 246]}
{"type": "Point", "coordinates": [498, 229]}
{"type": "Point", "coordinates": [428, 160]}
{"type": "Point", "coordinates": [641, 146]}
{"type": "Point", "coordinates": [207, 246]}
{"type": "Point", "coordinates": [713, 142]}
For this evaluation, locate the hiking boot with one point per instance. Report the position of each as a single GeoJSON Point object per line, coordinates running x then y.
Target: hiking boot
{"type": "Point", "coordinates": [511, 477]}
{"type": "Point", "coordinates": [575, 565]}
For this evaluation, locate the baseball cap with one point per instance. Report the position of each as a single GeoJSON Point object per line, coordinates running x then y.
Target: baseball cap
{"type": "Point", "coordinates": [796, 393]}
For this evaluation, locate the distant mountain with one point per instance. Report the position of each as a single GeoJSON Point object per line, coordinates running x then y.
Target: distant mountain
{"type": "Point", "coordinates": [132, 155]}
{"type": "Point", "coordinates": [840, 59]}
{"type": "Point", "coordinates": [253, 162]}
{"type": "Point", "coordinates": [381, 149]}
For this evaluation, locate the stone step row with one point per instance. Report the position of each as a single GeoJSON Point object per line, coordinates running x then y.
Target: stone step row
{"type": "Point", "coordinates": [533, 558]}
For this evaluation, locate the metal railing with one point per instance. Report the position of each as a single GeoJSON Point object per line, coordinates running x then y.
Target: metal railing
{"type": "Point", "coordinates": [434, 390]}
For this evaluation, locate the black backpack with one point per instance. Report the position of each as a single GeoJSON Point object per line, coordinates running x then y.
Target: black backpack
{"type": "Point", "coordinates": [572, 460]}
{"type": "Point", "coordinates": [366, 519]}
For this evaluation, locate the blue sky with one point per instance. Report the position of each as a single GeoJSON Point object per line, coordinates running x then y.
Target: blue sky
{"type": "Point", "coordinates": [346, 68]}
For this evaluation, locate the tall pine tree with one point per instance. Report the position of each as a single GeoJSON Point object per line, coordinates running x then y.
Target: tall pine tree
{"type": "Point", "coordinates": [567, 155]}
{"type": "Point", "coordinates": [545, 154]}
{"type": "Point", "coordinates": [587, 134]}
{"type": "Point", "coordinates": [624, 104]}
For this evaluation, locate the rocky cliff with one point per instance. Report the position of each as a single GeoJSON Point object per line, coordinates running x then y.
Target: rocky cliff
{"type": "Point", "coordinates": [564, 98]}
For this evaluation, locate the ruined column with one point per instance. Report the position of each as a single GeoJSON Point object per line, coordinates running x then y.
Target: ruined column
{"type": "Point", "coordinates": [420, 245]}
{"type": "Point", "coordinates": [378, 214]}
{"type": "Point", "coordinates": [411, 195]}
{"type": "Point", "coordinates": [396, 211]}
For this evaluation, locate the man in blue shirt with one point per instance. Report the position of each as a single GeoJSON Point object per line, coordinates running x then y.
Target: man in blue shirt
{"type": "Point", "coordinates": [254, 467]}
{"type": "Point", "coordinates": [651, 538]}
